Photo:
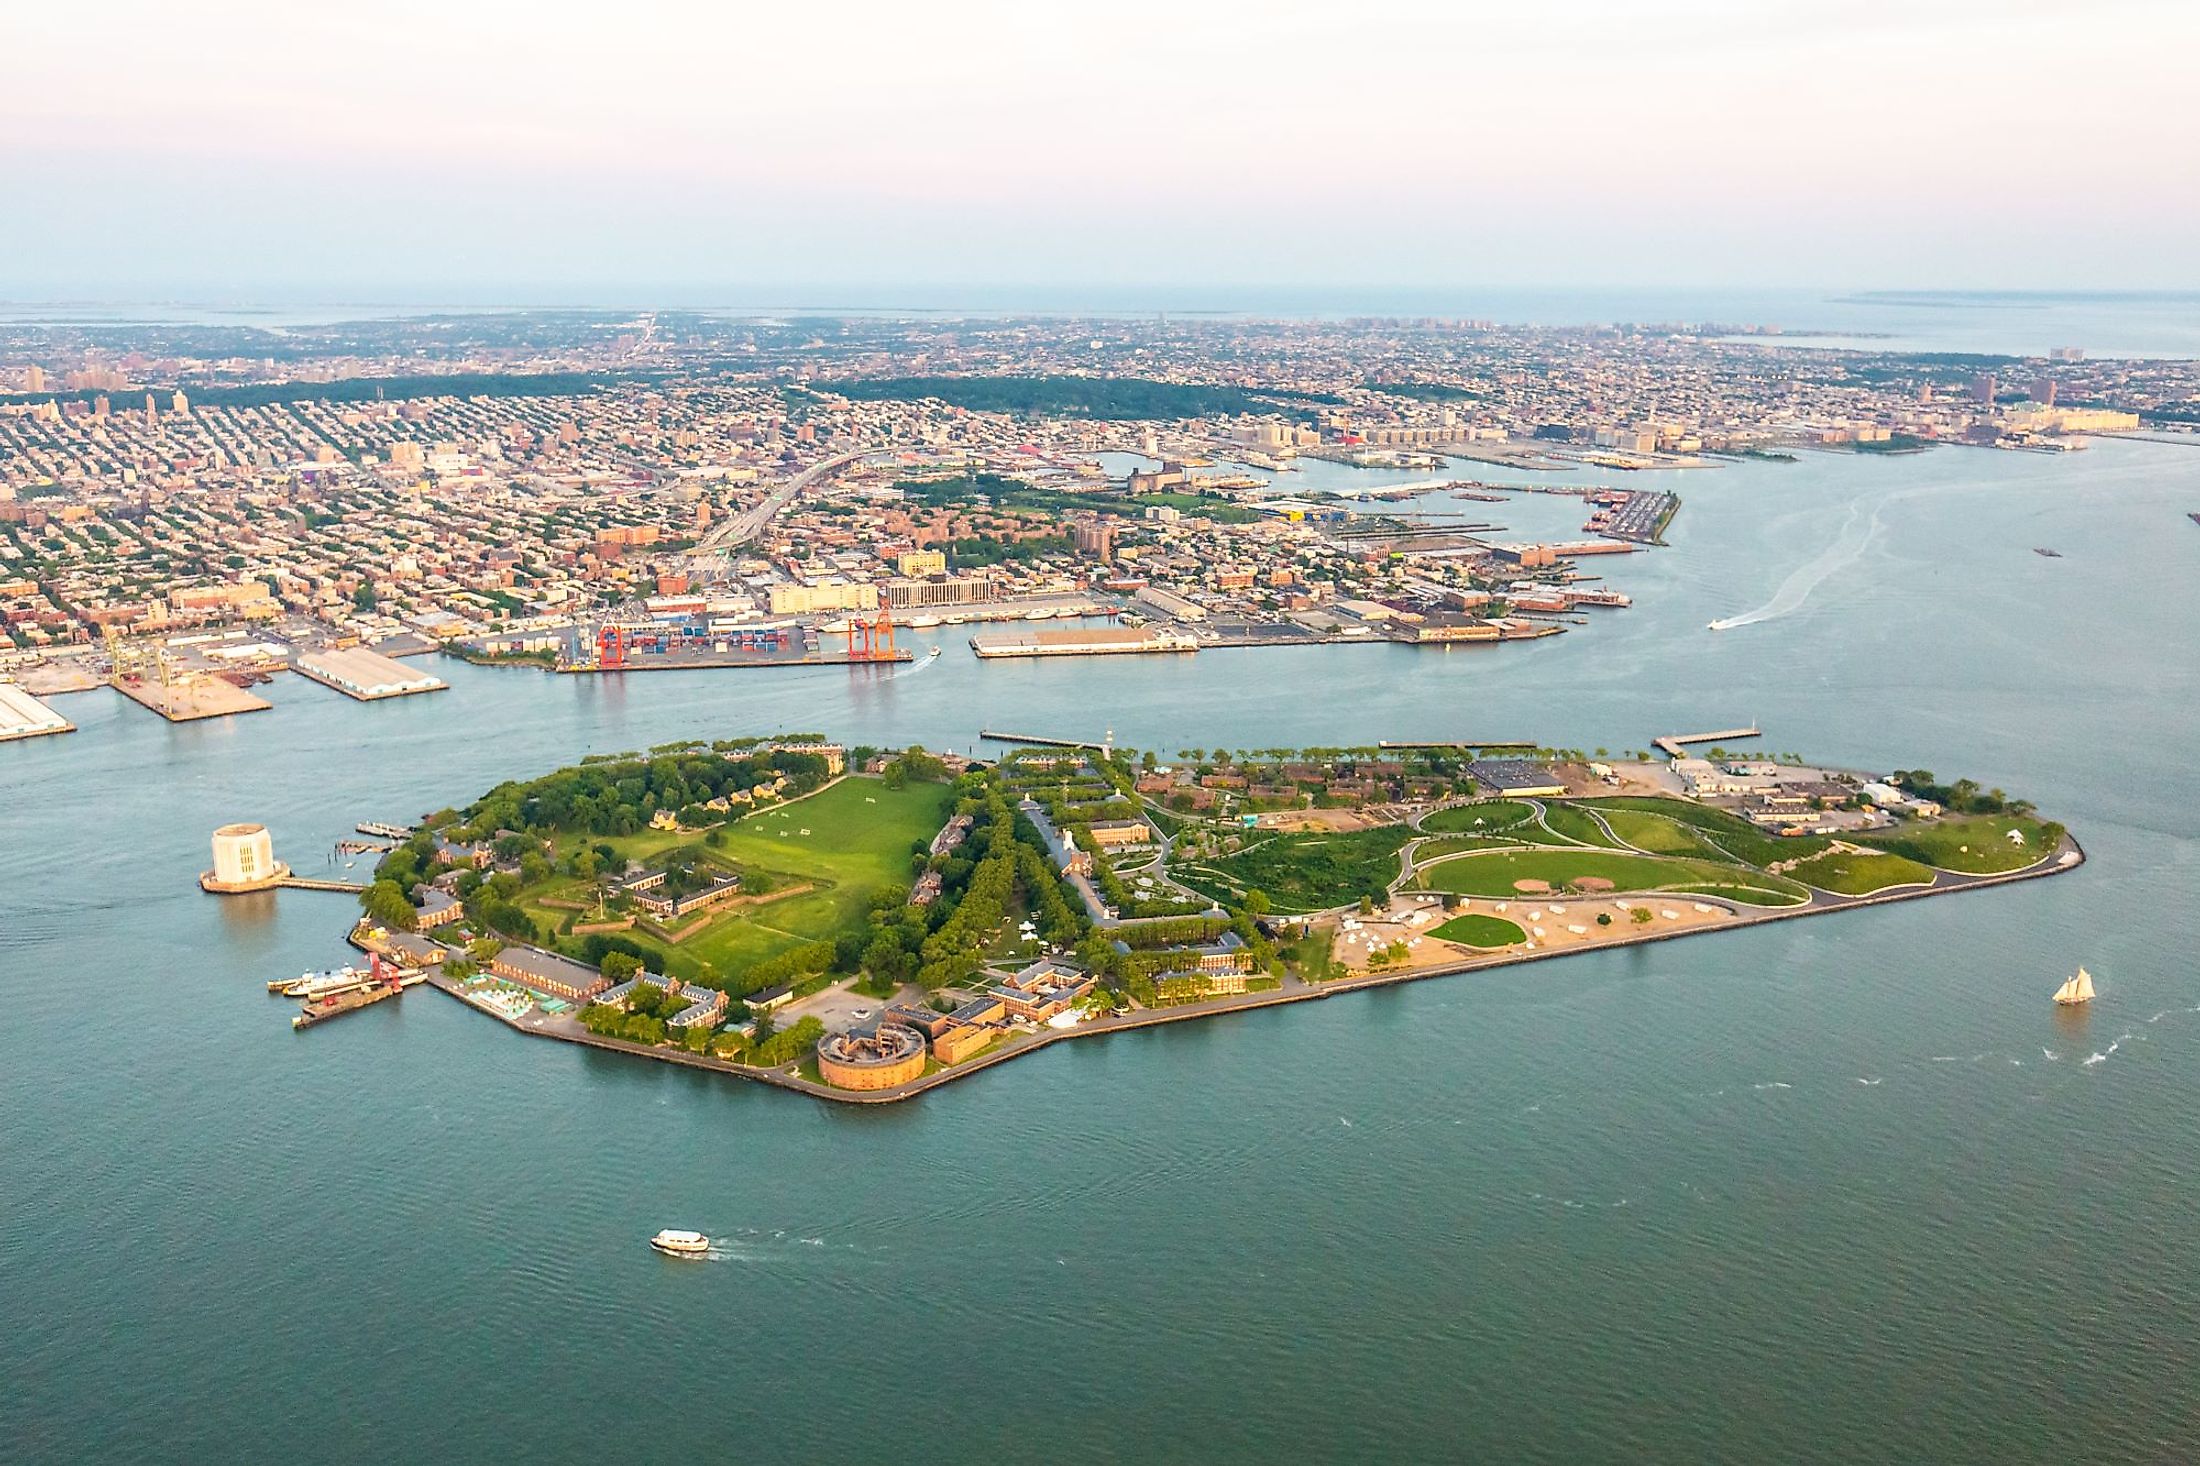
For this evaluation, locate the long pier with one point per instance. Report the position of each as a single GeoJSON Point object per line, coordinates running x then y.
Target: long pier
{"type": "Point", "coordinates": [1672, 745]}
{"type": "Point", "coordinates": [1034, 739]}
{"type": "Point", "coordinates": [1457, 743]}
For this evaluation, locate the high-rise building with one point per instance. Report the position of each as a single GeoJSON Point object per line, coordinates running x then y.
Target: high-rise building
{"type": "Point", "coordinates": [1095, 537]}
{"type": "Point", "coordinates": [2043, 391]}
{"type": "Point", "coordinates": [1982, 389]}
{"type": "Point", "coordinates": [34, 379]}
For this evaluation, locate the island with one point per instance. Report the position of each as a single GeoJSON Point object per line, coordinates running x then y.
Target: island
{"type": "Point", "coordinates": [863, 924]}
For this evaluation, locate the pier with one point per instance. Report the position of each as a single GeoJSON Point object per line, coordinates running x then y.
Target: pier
{"type": "Point", "coordinates": [1037, 742]}
{"type": "Point", "coordinates": [385, 830]}
{"type": "Point", "coordinates": [365, 676]}
{"type": "Point", "coordinates": [24, 716]}
{"type": "Point", "coordinates": [1673, 745]}
{"type": "Point", "coordinates": [1458, 743]}
{"type": "Point", "coordinates": [189, 700]}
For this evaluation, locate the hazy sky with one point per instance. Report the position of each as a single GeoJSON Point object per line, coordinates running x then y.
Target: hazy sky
{"type": "Point", "coordinates": [532, 147]}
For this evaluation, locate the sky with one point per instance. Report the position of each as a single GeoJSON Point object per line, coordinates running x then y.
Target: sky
{"type": "Point", "coordinates": [536, 150]}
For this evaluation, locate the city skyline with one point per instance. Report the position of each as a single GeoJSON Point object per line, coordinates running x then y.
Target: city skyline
{"type": "Point", "coordinates": [547, 153]}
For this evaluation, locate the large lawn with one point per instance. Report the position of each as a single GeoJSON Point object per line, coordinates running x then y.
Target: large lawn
{"type": "Point", "coordinates": [1972, 844]}
{"type": "Point", "coordinates": [1661, 835]}
{"type": "Point", "coordinates": [1849, 874]}
{"type": "Point", "coordinates": [1572, 822]}
{"type": "Point", "coordinates": [1735, 835]}
{"type": "Point", "coordinates": [1492, 873]}
{"type": "Point", "coordinates": [847, 841]}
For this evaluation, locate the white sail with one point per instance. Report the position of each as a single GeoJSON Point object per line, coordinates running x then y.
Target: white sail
{"type": "Point", "coordinates": [2076, 989]}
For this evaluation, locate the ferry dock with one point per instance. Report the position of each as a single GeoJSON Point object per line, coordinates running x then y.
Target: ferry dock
{"type": "Point", "coordinates": [377, 984]}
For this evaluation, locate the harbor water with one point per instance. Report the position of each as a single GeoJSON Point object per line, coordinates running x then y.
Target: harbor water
{"type": "Point", "coordinates": [1835, 1190]}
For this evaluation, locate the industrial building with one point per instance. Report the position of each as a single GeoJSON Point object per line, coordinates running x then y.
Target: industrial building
{"type": "Point", "coordinates": [24, 716]}
{"type": "Point", "coordinates": [357, 672]}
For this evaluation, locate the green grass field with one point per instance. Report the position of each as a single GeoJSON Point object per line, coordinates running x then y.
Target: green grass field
{"type": "Point", "coordinates": [1486, 817]}
{"type": "Point", "coordinates": [1574, 823]}
{"type": "Point", "coordinates": [848, 841]}
{"type": "Point", "coordinates": [1848, 874]}
{"type": "Point", "coordinates": [1737, 836]}
{"type": "Point", "coordinates": [1990, 850]}
{"type": "Point", "coordinates": [1493, 873]}
{"type": "Point", "coordinates": [1661, 836]}
{"type": "Point", "coordinates": [1476, 930]}
{"type": "Point", "coordinates": [1305, 872]}
{"type": "Point", "coordinates": [1442, 845]}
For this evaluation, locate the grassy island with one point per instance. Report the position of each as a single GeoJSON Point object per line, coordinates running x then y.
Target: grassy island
{"type": "Point", "coordinates": [863, 924]}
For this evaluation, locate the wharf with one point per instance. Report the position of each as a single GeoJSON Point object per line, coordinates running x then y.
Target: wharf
{"type": "Point", "coordinates": [1081, 643]}
{"type": "Point", "coordinates": [352, 1001]}
{"type": "Point", "coordinates": [283, 879]}
{"type": "Point", "coordinates": [686, 662]}
{"type": "Point", "coordinates": [1037, 741]}
{"type": "Point", "coordinates": [1459, 743]}
{"type": "Point", "coordinates": [24, 716]}
{"type": "Point", "coordinates": [314, 883]}
{"type": "Point", "coordinates": [189, 701]}
{"type": "Point", "coordinates": [1673, 745]}
{"type": "Point", "coordinates": [365, 676]}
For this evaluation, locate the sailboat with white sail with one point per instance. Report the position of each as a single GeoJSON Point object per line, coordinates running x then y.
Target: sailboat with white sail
{"type": "Point", "coordinates": [2076, 989]}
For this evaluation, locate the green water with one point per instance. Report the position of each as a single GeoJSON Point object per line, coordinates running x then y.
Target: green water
{"type": "Point", "coordinates": [1841, 1189]}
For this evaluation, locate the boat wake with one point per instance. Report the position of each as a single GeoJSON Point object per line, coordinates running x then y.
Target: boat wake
{"type": "Point", "coordinates": [2103, 1056]}
{"type": "Point", "coordinates": [1848, 547]}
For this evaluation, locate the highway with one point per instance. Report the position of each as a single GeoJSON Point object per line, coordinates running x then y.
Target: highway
{"type": "Point", "coordinates": [746, 526]}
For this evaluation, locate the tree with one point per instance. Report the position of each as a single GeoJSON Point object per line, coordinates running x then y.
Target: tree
{"type": "Point", "coordinates": [619, 966]}
{"type": "Point", "coordinates": [385, 905]}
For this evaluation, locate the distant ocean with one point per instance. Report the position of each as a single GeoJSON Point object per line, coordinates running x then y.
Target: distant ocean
{"type": "Point", "coordinates": [2018, 323]}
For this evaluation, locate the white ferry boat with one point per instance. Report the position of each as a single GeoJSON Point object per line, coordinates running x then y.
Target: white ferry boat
{"type": "Point", "coordinates": [676, 1243]}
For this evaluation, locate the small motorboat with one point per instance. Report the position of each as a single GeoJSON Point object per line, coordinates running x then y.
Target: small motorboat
{"type": "Point", "coordinates": [674, 1243]}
